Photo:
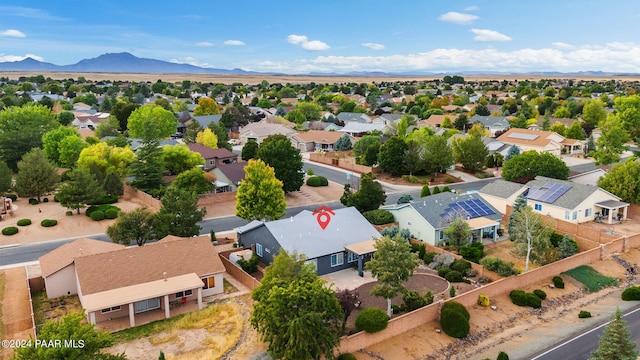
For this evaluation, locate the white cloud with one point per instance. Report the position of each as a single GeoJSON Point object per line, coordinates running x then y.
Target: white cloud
{"type": "Point", "coordinates": [471, 8]}
{"type": "Point", "coordinates": [204, 44]}
{"type": "Point", "coordinates": [562, 45]}
{"type": "Point", "coordinates": [191, 61]}
{"type": "Point", "coordinates": [234, 43]}
{"type": "Point", "coordinates": [373, 46]}
{"type": "Point", "coordinates": [12, 58]}
{"type": "Point", "coordinates": [458, 18]}
{"type": "Point", "coordinates": [485, 35]}
{"type": "Point", "coordinates": [12, 33]}
{"type": "Point", "coordinates": [303, 41]}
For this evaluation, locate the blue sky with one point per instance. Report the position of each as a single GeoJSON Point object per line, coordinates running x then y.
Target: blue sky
{"type": "Point", "coordinates": [332, 35]}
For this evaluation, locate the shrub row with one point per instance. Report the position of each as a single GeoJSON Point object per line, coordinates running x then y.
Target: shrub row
{"type": "Point", "coordinates": [316, 181]}
{"type": "Point", "coordinates": [107, 199]}
{"type": "Point", "coordinates": [379, 217]}
{"type": "Point", "coordinates": [521, 298]}
{"type": "Point", "coordinates": [372, 320]}
{"type": "Point", "coordinates": [102, 209]}
{"type": "Point", "coordinates": [454, 319]}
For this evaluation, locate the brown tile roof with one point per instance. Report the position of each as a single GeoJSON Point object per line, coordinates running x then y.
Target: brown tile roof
{"type": "Point", "coordinates": [541, 141]}
{"type": "Point", "coordinates": [320, 136]}
{"type": "Point", "coordinates": [223, 154]}
{"type": "Point", "coordinates": [59, 258]}
{"type": "Point", "coordinates": [172, 255]}
{"type": "Point", "coordinates": [205, 151]}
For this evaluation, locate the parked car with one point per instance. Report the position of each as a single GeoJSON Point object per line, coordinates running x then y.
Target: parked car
{"type": "Point", "coordinates": [234, 142]}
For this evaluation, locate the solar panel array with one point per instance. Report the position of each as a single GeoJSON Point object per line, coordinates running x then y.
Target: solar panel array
{"type": "Point", "coordinates": [473, 208]}
{"type": "Point", "coordinates": [548, 193]}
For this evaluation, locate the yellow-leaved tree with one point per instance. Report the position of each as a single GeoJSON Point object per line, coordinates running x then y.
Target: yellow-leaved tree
{"type": "Point", "coordinates": [206, 106]}
{"type": "Point", "coordinates": [208, 138]}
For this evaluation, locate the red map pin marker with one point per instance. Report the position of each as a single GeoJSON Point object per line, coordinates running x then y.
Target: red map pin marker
{"type": "Point", "coordinates": [323, 216]}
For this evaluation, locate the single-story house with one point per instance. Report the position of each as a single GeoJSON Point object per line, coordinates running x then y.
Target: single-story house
{"type": "Point", "coordinates": [206, 120]}
{"type": "Point", "coordinates": [349, 117]}
{"type": "Point", "coordinates": [541, 141]}
{"type": "Point", "coordinates": [427, 219]}
{"type": "Point", "coordinates": [361, 129]}
{"type": "Point", "coordinates": [213, 157]}
{"type": "Point", "coordinates": [588, 177]}
{"type": "Point", "coordinates": [259, 131]}
{"type": "Point", "coordinates": [492, 123]}
{"type": "Point", "coordinates": [153, 279]}
{"type": "Point", "coordinates": [228, 176]}
{"type": "Point", "coordinates": [332, 240]}
{"type": "Point", "coordinates": [313, 140]}
{"type": "Point", "coordinates": [575, 203]}
{"type": "Point", "coordinates": [501, 193]}
{"type": "Point", "coordinates": [435, 121]}
{"type": "Point", "coordinates": [387, 119]}
{"type": "Point", "coordinates": [58, 267]}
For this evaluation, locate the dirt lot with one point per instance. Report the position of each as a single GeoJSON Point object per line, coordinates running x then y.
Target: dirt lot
{"type": "Point", "coordinates": [16, 310]}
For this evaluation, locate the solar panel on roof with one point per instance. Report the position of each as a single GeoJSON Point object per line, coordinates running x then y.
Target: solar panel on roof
{"type": "Point", "coordinates": [548, 193]}
{"type": "Point", "coordinates": [473, 208]}
{"type": "Point", "coordinates": [522, 136]}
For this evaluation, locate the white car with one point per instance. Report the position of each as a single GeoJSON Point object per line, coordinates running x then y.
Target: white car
{"type": "Point", "coordinates": [234, 142]}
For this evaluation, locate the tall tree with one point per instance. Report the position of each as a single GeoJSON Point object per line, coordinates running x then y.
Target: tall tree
{"type": "Point", "coordinates": [438, 155]}
{"type": "Point", "coordinates": [151, 122]}
{"type": "Point", "coordinates": [135, 225]}
{"type": "Point", "coordinates": [194, 180]}
{"type": "Point", "coordinates": [369, 197]}
{"type": "Point", "coordinates": [513, 151]}
{"type": "Point", "coordinates": [470, 152]}
{"type": "Point", "coordinates": [52, 139]}
{"type": "Point", "coordinates": [221, 134]}
{"type": "Point", "coordinates": [531, 235]}
{"type": "Point", "coordinates": [108, 127]}
{"type": "Point", "coordinates": [628, 112]}
{"type": "Point", "coordinates": [519, 203]}
{"type": "Point", "coordinates": [391, 156]}
{"type": "Point", "coordinates": [179, 214]}
{"type": "Point", "coordinates": [414, 157]}
{"type": "Point", "coordinates": [81, 189]}
{"type": "Point", "coordinates": [178, 158]}
{"type": "Point", "coordinates": [106, 158]}
{"type": "Point", "coordinates": [122, 110]}
{"type": "Point", "coordinates": [594, 112]}
{"type": "Point", "coordinates": [206, 106]}
{"type": "Point", "coordinates": [277, 152]}
{"type": "Point", "coordinates": [526, 166]}
{"type": "Point", "coordinates": [260, 195]}
{"type": "Point", "coordinates": [611, 142]}
{"type": "Point", "coordinates": [344, 143]}
{"type": "Point", "coordinates": [70, 149]}
{"type": "Point", "coordinates": [616, 342]}
{"type": "Point", "coordinates": [249, 150]}
{"type": "Point", "coordinates": [313, 330]}
{"type": "Point", "coordinates": [21, 129]}
{"type": "Point", "coordinates": [36, 175]}
{"type": "Point", "coordinates": [575, 131]}
{"type": "Point", "coordinates": [148, 167]}
{"type": "Point", "coordinates": [392, 264]}
{"type": "Point", "coordinates": [6, 176]}
{"type": "Point", "coordinates": [207, 138]}
{"type": "Point", "coordinates": [189, 136]}
{"type": "Point", "coordinates": [623, 180]}
{"type": "Point", "coordinates": [112, 184]}
{"type": "Point", "coordinates": [458, 233]}
{"type": "Point", "coordinates": [311, 111]}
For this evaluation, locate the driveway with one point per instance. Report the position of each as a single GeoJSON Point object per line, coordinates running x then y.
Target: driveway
{"type": "Point", "coordinates": [576, 160]}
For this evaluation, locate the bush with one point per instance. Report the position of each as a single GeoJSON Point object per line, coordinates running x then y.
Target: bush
{"type": "Point", "coordinates": [518, 297]}
{"type": "Point", "coordinates": [534, 301]}
{"type": "Point", "coordinates": [584, 314]}
{"type": "Point", "coordinates": [391, 231]}
{"type": "Point", "coordinates": [460, 265]}
{"type": "Point", "coordinates": [45, 200]}
{"type": "Point", "coordinates": [346, 356]}
{"type": "Point", "coordinates": [555, 239]}
{"type": "Point", "coordinates": [405, 199]}
{"type": "Point", "coordinates": [454, 319]}
{"type": "Point", "coordinates": [11, 230]}
{"type": "Point", "coordinates": [111, 213]}
{"type": "Point", "coordinates": [372, 320]}
{"type": "Point", "coordinates": [48, 223]}
{"type": "Point", "coordinates": [632, 293]}
{"type": "Point", "coordinates": [499, 266]}
{"type": "Point", "coordinates": [558, 282]}
{"type": "Point", "coordinates": [396, 309]}
{"type": "Point", "coordinates": [457, 307]}
{"type": "Point", "coordinates": [68, 213]}
{"type": "Point", "coordinates": [316, 181]}
{"type": "Point", "coordinates": [97, 215]}
{"type": "Point", "coordinates": [250, 266]}
{"type": "Point", "coordinates": [104, 208]}
{"type": "Point", "coordinates": [107, 199]}
{"type": "Point", "coordinates": [428, 257]}
{"type": "Point", "coordinates": [412, 300]}
{"type": "Point", "coordinates": [24, 222]}
{"type": "Point", "coordinates": [13, 197]}
{"type": "Point", "coordinates": [33, 201]}
{"type": "Point", "coordinates": [55, 198]}
{"type": "Point", "coordinates": [454, 276]}
{"type": "Point", "coordinates": [411, 178]}
{"type": "Point", "coordinates": [502, 356]}
{"type": "Point", "coordinates": [452, 291]}
{"type": "Point", "coordinates": [541, 294]}
{"type": "Point", "coordinates": [483, 300]}
{"type": "Point", "coordinates": [473, 252]}
{"type": "Point", "coordinates": [310, 172]}
{"type": "Point", "coordinates": [442, 272]}
{"type": "Point", "coordinates": [379, 217]}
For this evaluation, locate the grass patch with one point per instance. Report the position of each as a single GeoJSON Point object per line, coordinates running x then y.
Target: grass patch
{"type": "Point", "coordinates": [592, 279]}
{"type": "Point", "coordinates": [228, 287]}
{"type": "Point", "coordinates": [3, 281]}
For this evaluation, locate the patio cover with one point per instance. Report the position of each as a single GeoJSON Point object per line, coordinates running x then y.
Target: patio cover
{"type": "Point", "coordinates": [612, 204]}
{"type": "Point", "coordinates": [481, 223]}
{"type": "Point", "coordinates": [138, 292]}
{"type": "Point", "coordinates": [362, 248]}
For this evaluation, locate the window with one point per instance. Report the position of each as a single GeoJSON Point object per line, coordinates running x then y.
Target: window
{"type": "Point", "coordinates": [351, 257]}
{"type": "Point", "coordinates": [146, 305]}
{"type": "Point", "coordinates": [567, 215]}
{"type": "Point", "coordinates": [208, 282]}
{"type": "Point", "coordinates": [313, 262]}
{"type": "Point", "coordinates": [538, 207]}
{"type": "Point", "coordinates": [337, 259]}
{"type": "Point", "coordinates": [441, 234]}
{"type": "Point", "coordinates": [259, 249]}
{"type": "Point", "coordinates": [587, 212]}
{"type": "Point", "coordinates": [575, 215]}
{"type": "Point", "coordinates": [110, 310]}
{"type": "Point", "coordinates": [184, 293]}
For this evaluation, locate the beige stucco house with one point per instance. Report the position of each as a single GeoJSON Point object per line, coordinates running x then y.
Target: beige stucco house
{"type": "Point", "coordinates": [259, 131]}
{"type": "Point", "coordinates": [501, 193]}
{"type": "Point", "coordinates": [541, 141]}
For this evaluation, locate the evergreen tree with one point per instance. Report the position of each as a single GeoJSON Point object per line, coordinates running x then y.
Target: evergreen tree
{"type": "Point", "coordinates": [591, 145]}
{"type": "Point", "coordinates": [513, 151]}
{"type": "Point", "coordinates": [81, 189]}
{"type": "Point", "coordinates": [148, 167]}
{"type": "Point", "coordinates": [112, 184]}
{"type": "Point", "coordinates": [425, 191]}
{"type": "Point", "coordinates": [36, 175]}
{"type": "Point", "coordinates": [249, 150]}
{"type": "Point", "coordinates": [521, 201]}
{"type": "Point", "coordinates": [5, 177]}
{"type": "Point", "coordinates": [344, 143]}
{"type": "Point", "coordinates": [277, 152]}
{"type": "Point", "coordinates": [369, 197]}
{"type": "Point", "coordinates": [179, 214]}
{"type": "Point", "coordinates": [615, 342]}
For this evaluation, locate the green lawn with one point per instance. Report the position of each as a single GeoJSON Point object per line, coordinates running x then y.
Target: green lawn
{"type": "Point", "coordinates": [592, 280]}
{"type": "Point", "coordinates": [3, 280]}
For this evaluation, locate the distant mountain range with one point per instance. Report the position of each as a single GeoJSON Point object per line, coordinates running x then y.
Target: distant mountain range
{"type": "Point", "coordinates": [128, 63]}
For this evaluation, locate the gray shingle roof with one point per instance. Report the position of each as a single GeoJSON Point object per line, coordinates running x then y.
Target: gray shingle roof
{"type": "Point", "coordinates": [205, 120]}
{"type": "Point", "coordinates": [570, 199]}
{"type": "Point", "coordinates": [490, 120]}
{"type": "Point", "coordinates": [353, 117]}
{"type": "Point", "coordinates": [501, 188]}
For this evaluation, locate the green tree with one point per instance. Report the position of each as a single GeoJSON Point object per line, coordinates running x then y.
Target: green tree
{"type": "Point", "coordinates": [260, 195]}
{"type": "Point", "coordinates": [148, 167]}
{"type": "Point", "coordinates": [611, 143]}
{"type": "Point", "coordinates": [296, 116]}
{"type": "Point", "coordinates": [36, 175]}
{"type": "Point", "coordinates": [391, 156]}
{"type": "Point", "coordinates": [370, 195]}
{"type": "Point", "coordinates": [414, 157]}
{"type": "Point", "coordinates": [313, 330]}
{"type": "Point", "coordinates": [575, 131]}
{"type": "Point", "coordinates": [470, 152]}
{"type": "Point", "coordinates": [392, 264]}
{"type": "Point", "coordinates": [558, 128]}
{"type": "Point", "coordinates": [461, 122]}
{"type": "Point", "coordinates": [593, 113]}
{"type": "Point", "coordinates": [526, 166]}
{"type": "Point", "coordinates": [623, 180]}
{"type": "Point", "coordinates": [65, 118]}
{"type": "Point", "coordinates": [277, 152]}
{"type": "Point", "coordinates": [6, 176]}
{"type": "Point", "coordinates": [106, 158]}
{"type": "Point", "coordinates": [628, 113]}
{"type": "Point", "coordinates": [108, 127]}
{"type": "Point", "coordinates": [513, 151]}
{"type": "Point", "coordinates": [425, 191]}
{"type": "Point", "coordinates": [70, 149]}
{"type": "Point", "coordinates": [193, 180]}
{"type": "Point", "coordinates": [21, 129]}
{"type": "Point", "coordinates": [52, 139]}
{"type": "Point", "coordinates": [531, 235]}
{"type": "Point", "coordinates": [249, 150]}
{"type": "Point", "coordinates": [178, 158]}
{"type": "Point", "coordinates": [361, 146]}
{"type": "Point", "coordinates": [207, 138]}
{"type": "Point", "coordinates": [438, 155]}
{"type": "Point", "coordinates": [151, 122]}
{"type": "Point", "coordinates": [344, 143]}
{"type": "Point", "coordinates": [458, 233]}
{"type": "Point", "coordinates": [206, 106]}
{"type": "Point", "coordinates": [179, 214]}
{"type": "Point", "coordinates": [122, 110]}
{"type": "Point", "coordinates": [311, 111]}
{"type": "Point", "coordinates": [520, 202]}
{"type": "Point", "coordinates": [81, 189]}
{"type": "Point", "coordinates": [616, 342]}
{"type": "Point", "coordinates": [112, 184]}
{"type": "Point", "coordinates": [70, 327]}
{"type": "Point", "coordinates": [135, 225]}
{"type": "Point", "coordinates": [222, 135]}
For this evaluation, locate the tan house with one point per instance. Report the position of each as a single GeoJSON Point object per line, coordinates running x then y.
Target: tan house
{"type": "Point", "coordinates": [313, 140]}
{"type": "Point", "coordinates": [259, 131]}
{"type": "Point", "coordinates": [501, 193]}
{"type": "Point", "coordinates": [58, 268]}
{"type": "Point", "coordinates": [541, 141]}
{"type": "Point", "coordinates": [213, 157]}
{"type": "Point", "coordinates": [131, 286]}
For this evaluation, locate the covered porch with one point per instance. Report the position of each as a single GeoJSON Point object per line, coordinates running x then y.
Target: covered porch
{"type": "Point", "coordinates": [611, 211]}
{"type": "Point", "coordinates": [483, 228]}
{"type": "Point", "coordinates": [139, 304]}
{"type": "Point", "coordinates": [362, 251]}
{"type": "Point", "coordinates": [572, 147]}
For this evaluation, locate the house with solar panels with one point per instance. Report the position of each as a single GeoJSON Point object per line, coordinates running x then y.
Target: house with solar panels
{"type": "Point", "coordinates": [427, 219]}
{"type": "Point", "coordinates": [541, 141]}
{"type": "Point", "coordinates": [501, 193]}
{"type": "Point", "coordinates": [575, 203]}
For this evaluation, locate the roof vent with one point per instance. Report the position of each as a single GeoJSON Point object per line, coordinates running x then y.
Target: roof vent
{"type": "Point", "coordinates": [164, 275]}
